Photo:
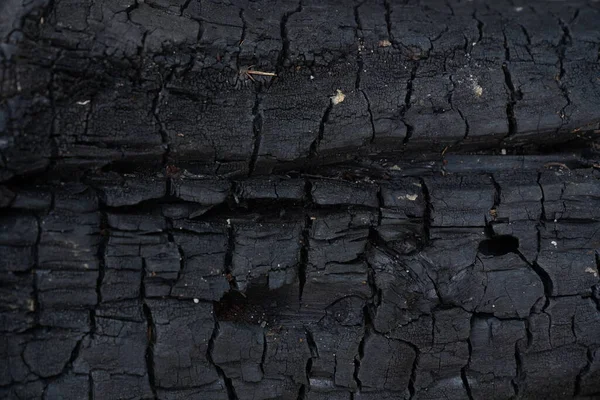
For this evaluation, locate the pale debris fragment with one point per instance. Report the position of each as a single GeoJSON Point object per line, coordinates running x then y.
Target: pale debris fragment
{"type": "Point", "coordinates": [477, 88]}
{"type": "Point", "coordinates": [411, 197]}
{"type": "Point", "coordinates": [591, 271]}
{"type": "Point", "coordinates": [338, 97]}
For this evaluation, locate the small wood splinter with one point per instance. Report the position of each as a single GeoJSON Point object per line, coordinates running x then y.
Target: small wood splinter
{"type": "Point", "coordinates": [249, 72]}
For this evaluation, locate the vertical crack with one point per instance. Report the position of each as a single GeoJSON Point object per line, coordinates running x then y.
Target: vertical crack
{"type": "Point", "coordinates": [184, 6]}
{"type": "Point", "coordinates": [466, 121]}
{"type": "Point", "coordinates": [257, 131]}
{"type": "Point", "coordinates": [415, 365]}
{"type": "Point", "coordinates": [380, 204]}
{"type": "Point", "coordinates": [407, 102]}
{"type": "Point", "coordinates": [104, 232]}
{"type": "Point", "coordinates": [314, 147]}
{"type": "Point", "coordinates": [36, 257]}
{"type": "Point", "coordinates": [497, 193]}
{"type": "Point", "coordinates": [528, 39]}
{"type": "Point", "coordinates": [413, 372]}
{"type": "Point", "coordinates": [565, 41]}
{"type": "Point", "coordinates": [161, 126]}
{"type": "Point", "coordinates": [542, 200]}
{"type": "Point", "coordinates": [368, 324]}
{"type": "Point", "coordinates": [150, 347]}
{"type": "Point", "coordinates": [519, 365]}
{"type": "Point", "coordinates": [231, 394]}
{"type": "Point", "coordinates": [480, 26]}
{"type": "Point", "coordinates": [285, 47]}
{"type": "Point", "coordinates": [428, 210]}
{"type": "Point", "coordinates": [370, 115]}
{"type": "Point", "coordinates": [388, 18]}
{"type": "Point", "coordinates": [450, 97]}
{"type": "Point", "coordinates": [303, 267]}
{"type": "Point", "coordinates": [229, 256]}
{"type": "Point", "coordinates": [513, 95]}
{"type": "Point", "coordinates": [596, 287]}
{"type": "Point", "coordinates": [543, 275]}
{"type": "Point", "coordinates": [463, 370]}
{"type": "Point", "coordinates": [584, 370]}
{"type": "Point", "coordinates": [314, 353]}
{"type": "Point", "coordinates": [171, 239]}
{"type": "Point", "coordinates": [264, 353]}
{"type": "Point", "coordinates": [242, 38]}
{"type": "Point", "coordinates": [151, 331]}
{"type": "Point", "coordinates": [360, 39]}
{"type": "Point", "coordinates": [244, 27]}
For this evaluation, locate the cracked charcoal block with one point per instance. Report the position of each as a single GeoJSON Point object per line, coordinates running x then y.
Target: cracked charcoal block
{"type": "Point", "coordinates": [392, 370]}
{"type": "Point", "coordinates": [404, 290]}
{"type": "Point", "coordinates": [69, 241]}
{"type": "Point", "coordinates": [182, 332]}
{"type": "Point", "coordinates": [120, 119]}
{"type": "Point", "coordinates": [69, 386]}
{"type": "Point", "coordinates": [163, 29]}
{"type": "Point", "coordinates": [327, 27]}
{"type": "Point", "coordinates": [120, 285]}
{"type": "Point", "coordinates": [287, 355]}
{"type": "Point", "coordinates": [203, 273]}
{"type": "Point", "coordinates": [552, 373]}
{"type": "Point", "coordinates": [201, 191]}
{"type": "Point", "coordinates": [337, 237]}
{"type": "Point", "coordinates": [344, 193]}
{"type": "Point", "coordinates": [18, 230]}
{"type": "Point", "coordinates": [492, 366]}
{"type": "Point", "coordinates": [385, 100]}
{"type": "Point", "coordinates": [266, 188]}
{"type": "Point", "coordinates": [348, 123]}
{"type": "Point", "coordinates": [118, 346]}
{"type": "Point", "coordinates": [238, 351]}
{"type": "Point", "coordinates": [469, 207]}
{"type": "Point", "coordinates": [254, 200]}
{"type": "Point", "coordinates": [57, 354]}
{"type": "Point", "coordinates": [285, 136]}
{"type": "Point", "coordinates": [216, 391]}
{"type": "Point", "coordinates": [438, 372]}
{"type": "Point", "coordinates": [517, 281]}
{"type": "Point", "coordinates": [335, 282]}
{"type": "Point", "coordinates": [198, 142]}
{"type": "Point", "coordinates": [258, 255]}
{"type": "Point", "coordinates": [67, 288]}
{"type": "Point", "coordinates": [120, 385]}
{"type": "Point", "coordinates": [567, 255]}
{"type": "Point", "coordinates": [590, 382]}
{"type": "Point", "coordinates": [118, 191]}
{"type": "Point", "coordinates": [337, 349]}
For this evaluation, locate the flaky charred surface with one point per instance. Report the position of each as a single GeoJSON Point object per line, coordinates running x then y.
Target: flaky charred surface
{"type": "Point", "coordinates": [299, 200]}
{"type": "Point", "coordinates": [465, 280]}
{"type": "Point", "coordinates": [246, 87]}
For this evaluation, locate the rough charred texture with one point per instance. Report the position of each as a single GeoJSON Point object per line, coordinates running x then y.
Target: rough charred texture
{"type": "Point", "coordinates": [363, 200]}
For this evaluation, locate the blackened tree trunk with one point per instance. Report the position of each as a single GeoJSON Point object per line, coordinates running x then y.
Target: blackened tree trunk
{"type": "Point", "coordinates": [299, 200]}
